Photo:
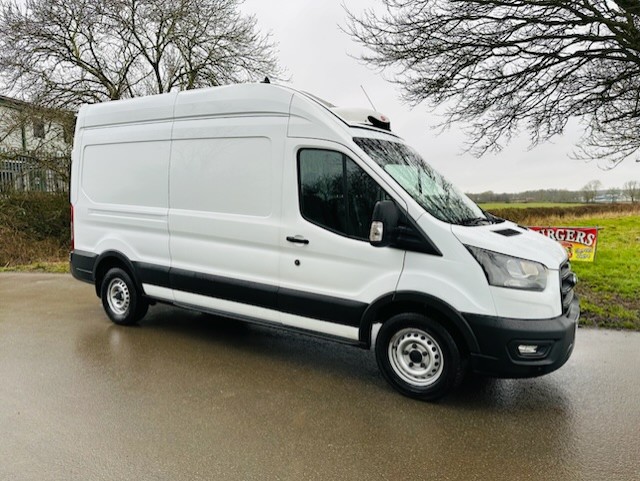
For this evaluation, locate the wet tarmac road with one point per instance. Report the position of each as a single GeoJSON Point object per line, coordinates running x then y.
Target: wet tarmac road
{"type": "Point", "coordinates": [189, 397]}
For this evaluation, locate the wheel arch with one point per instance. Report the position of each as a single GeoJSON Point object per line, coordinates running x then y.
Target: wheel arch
{"type": "Point", "coordinates": [391, 304]}
{"type": "Point", "coordinates": [110, 259]}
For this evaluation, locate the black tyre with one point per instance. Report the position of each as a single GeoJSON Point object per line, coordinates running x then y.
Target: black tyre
{"type": "Point", "coordinates": [121, 299]}
{"type": "Point", "coordinates": [418, 357]}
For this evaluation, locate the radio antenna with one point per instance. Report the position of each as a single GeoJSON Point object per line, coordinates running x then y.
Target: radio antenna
{"type": "Point", "coordinates": [365, 94]}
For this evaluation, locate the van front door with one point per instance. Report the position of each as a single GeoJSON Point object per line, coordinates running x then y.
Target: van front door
{"type": "Point", "coordinates": [329, 273]}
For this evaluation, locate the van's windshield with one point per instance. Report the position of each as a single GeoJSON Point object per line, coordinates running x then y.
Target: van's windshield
{"type": "Point", "coordinates": [427, 187]}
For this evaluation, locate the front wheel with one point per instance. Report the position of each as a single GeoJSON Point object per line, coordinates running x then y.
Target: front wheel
{"type": "Point", "coordinates": [121, 299]}
{"type": "Point", "coordinates": [418, 357]}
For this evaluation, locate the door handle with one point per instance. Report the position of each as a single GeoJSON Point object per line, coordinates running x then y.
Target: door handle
{"type": "Point", "coordinates": [297, 239]}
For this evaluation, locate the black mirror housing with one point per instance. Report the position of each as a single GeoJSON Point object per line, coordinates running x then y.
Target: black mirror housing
{"type": "Point", "coordinates": [384, 224]}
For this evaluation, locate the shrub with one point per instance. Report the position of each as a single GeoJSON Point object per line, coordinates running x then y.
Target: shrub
{"type": "Point", "coordinates": [34, 226]}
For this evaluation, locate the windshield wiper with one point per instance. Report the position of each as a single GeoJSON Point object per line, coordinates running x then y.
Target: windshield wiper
{"type": "Point", "coordinates": [492, 218]}
{"type": "Point", "coordinates": [470, 221]}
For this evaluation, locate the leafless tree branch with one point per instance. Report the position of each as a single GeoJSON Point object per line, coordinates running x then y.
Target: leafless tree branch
{"type": "Point", "coordinates": [503, 66]}
{"type": "Point", "coordinates": [61, 53]}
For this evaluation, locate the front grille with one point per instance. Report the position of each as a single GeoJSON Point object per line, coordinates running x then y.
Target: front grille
{"type": "Point", "coordinates": [567, 283]}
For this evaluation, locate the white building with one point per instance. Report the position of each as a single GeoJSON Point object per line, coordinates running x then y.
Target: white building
{"type": "Point", "coordinates": [35, 146]}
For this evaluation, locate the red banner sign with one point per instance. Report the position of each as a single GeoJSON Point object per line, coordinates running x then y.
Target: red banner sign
{"type": "Point", "coordinates": [580, 242]}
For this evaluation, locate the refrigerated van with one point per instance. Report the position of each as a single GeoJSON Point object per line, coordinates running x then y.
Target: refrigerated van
{"type": "Point", "coordinates": [266, 204]}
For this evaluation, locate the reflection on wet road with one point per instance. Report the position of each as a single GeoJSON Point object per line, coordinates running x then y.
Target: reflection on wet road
{"type": "Point", "coordinates": [187, 396]}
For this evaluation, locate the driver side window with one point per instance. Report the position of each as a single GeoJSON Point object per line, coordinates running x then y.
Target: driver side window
{"type": "Point", "coordinates": [335, 193]}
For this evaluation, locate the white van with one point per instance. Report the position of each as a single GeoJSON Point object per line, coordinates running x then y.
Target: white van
{"type": "Point", "coordinates": [266, 204]}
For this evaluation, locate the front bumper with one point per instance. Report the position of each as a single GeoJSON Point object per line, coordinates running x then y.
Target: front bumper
{"type": "Point", "coordinates": [498, 339]}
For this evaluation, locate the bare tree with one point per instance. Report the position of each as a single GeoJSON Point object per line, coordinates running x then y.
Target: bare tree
{"type": "Point", "coordinates": [631, 190]}
{"type": "Point", "coordinates": [500, 66]}
{"type": "Point", "coordinates": [590, 190]}
{"type": "Point", "coordinates": [60, 53]}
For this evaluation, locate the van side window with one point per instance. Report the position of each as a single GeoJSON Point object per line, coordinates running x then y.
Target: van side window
{"type": "Point", "coordinates": [335, 193]}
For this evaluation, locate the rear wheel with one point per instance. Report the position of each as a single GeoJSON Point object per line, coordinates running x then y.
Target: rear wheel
{"type": "Point", "coordinates": [121, 299]}
{"type": "Point", "coordinates": [418, 357]}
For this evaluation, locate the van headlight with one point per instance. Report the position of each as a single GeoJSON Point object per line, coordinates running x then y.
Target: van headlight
{"type": "Point", "coordinates": [506, 271]}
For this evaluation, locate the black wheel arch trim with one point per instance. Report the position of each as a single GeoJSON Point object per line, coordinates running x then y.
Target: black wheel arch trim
{"type": "Point", "coordinates": [120, 257]}
{"type": "Point", "coordinates": [370, 317]}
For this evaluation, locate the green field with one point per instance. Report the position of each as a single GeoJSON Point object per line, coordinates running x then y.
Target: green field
{"type": "Point", "coordinates": [609, 286]}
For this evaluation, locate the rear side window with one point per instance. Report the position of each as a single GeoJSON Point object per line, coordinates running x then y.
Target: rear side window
{"type": "Point", "coordinates": [335, 193]}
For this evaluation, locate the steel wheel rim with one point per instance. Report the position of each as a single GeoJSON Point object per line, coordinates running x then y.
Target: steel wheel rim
{"type": "Point", "coordinates": [416, 357]}
{"type": "Point", "coordinates": [118, 297]}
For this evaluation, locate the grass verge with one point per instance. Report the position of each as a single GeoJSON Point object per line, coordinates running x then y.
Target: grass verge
{"type": "Point", "coordinates": [57, 267]}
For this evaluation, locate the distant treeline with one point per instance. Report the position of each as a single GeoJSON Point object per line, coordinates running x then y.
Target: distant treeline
{"type": "Point", "coordinates": [556, 196]}
{"type": "Point", "coordinates": [528, 196]}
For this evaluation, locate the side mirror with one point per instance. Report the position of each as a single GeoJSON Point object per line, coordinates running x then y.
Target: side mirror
{"type": "Point", "coordinates": [384, 224]}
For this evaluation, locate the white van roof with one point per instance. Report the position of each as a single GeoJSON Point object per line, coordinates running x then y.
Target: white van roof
{"type": "Point", "coordinates": [225, 101]}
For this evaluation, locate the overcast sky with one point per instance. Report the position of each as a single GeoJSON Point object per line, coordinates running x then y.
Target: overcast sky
{"type": "Point", "coordinates": [319, 58]}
